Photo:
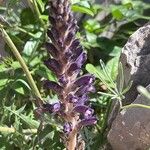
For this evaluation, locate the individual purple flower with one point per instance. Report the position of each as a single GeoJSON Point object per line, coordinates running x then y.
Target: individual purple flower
{"type": "Point", "coordinates": [67, 128]}
{"type": "Point", "coordinates": [88, 113]}
{"type": "Point", "coordinates": [88, 121]}
{"type": "Point", "coordinates": [84, 80]}
{"type": "Point", "coordinates": [52, 108]}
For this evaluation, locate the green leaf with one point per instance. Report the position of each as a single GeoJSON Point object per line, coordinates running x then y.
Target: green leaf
{"type": "Point", "coordinates": [115, 52]}
{"type": "Point", "coordinates": [120, 79]}
{"type": "Point", "coordinates": [91, 38]}
{"type": "Point", "coordinates": [82, 9]}
{"type": "Point", "coordinates": [112, 67]}
{"type": "Point", "coordinates": [91, 69]}
{"type": "Point", "coordinates": [117, 14]}
{"type": "Point", "coordinates": [27, 119]}
{"type": "Point", "coordinates": [41, 5]}
{"type": "Point", "coordinates": [21, 86]}
{"type": "Point", "coordinates": [28, 48]}
{"type": "Point", "coordinates": [144, 91]}
{"type": "Point", "coordinates": [27, 17]}
{"type": "Point", "coordinates": [91, 25]}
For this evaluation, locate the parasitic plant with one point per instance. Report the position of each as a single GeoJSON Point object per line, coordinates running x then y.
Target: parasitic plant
{"type": "Point", "coordinates": [66, 57]}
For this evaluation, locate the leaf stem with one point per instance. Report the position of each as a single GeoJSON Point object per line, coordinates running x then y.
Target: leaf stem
{"type": "Point", "coordinates": [21, 61]}
{"type": "Point", "coordinates": [135, 105]}
{"type": "Point", "coordinates": [13, 130]}
{"type": "Point", "coordinates": [36, 9]}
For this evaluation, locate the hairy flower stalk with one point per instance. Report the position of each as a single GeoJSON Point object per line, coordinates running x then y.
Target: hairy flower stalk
{"type": "Point", "coordinates": [66, 57]}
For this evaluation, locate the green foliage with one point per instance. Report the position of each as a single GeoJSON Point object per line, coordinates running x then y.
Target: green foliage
{"type": "Point", "coordinates": [102, 38]}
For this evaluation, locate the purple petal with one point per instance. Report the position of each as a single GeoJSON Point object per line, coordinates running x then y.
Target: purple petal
{"type": "Point", "coordinates": [89, 121]}
{"type": "Point", "coordinates": [53, 65]}
{"type": "Point", "coordinates": [67, 127]}
{"type": "Point", "coordinates": [74, 68]}
{"type": "Point", "coordinates": [74, 26]}
{"type": "Point", "coordinates": [63, 80]}
{"type": "Point", "coordinates": [82, 99]}
{"type": "Point", "coordinates": [83, 109]}
{"type": "Point", "coordinates": [53, 86]}
{"type": "Point", "coordinates": [50, 35]}
{"type": "Point", "coordinates": [69, 38]}
{"type": "Point", "coordinates": [56, 107]}
{"type": "Point", "coordinates": [84, 80]}
{"type": "Point", "coordinates": [67, 55]}
{"type": "Point", "coordinates": [88, 113]}
{"type": "Point", "coordinates": [85, 90]}
{"type": "Point", "coordinates": [91, 89]}
{"type": "Point", "coordinates": [52, 50]}
{"type": "Point", "coordinates": [77, 53]}
{"type": "Point", "coordinates": [75, 44]}
{"type": "Point", "coordinates": [81, 59]}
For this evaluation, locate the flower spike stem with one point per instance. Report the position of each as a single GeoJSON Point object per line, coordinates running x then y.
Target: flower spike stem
{"type": "Point", "coordinates": [72, 143]}
{"type": "Point", "coordinates": [21, 61]}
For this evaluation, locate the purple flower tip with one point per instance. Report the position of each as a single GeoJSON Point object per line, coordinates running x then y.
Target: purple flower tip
{"type": "Point", "coordinates": [67, 127]}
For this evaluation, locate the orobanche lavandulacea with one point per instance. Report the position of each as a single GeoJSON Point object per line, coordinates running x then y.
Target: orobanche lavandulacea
{"type": "Point", "coordinates": [66, 57]}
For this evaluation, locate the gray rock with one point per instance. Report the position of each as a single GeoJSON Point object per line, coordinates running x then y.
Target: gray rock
{"type": "Point", "coordinates": [131, 128]}
{"type": "Point", "coordinates": [135, 58]}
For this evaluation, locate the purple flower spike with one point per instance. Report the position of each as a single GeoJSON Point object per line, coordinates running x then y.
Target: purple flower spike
{"type": "Point", "coordinates": [67, 127]}
{"type": "Point", "coordinates": [66, 57]}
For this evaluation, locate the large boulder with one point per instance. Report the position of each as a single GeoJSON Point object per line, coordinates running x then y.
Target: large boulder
{"type": "Point", "coordinates": [130, 129]}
